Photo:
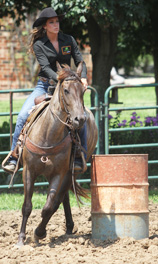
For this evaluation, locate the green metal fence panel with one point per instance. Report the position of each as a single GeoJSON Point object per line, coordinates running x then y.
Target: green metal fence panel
{"type": "Point", "coordinates": [95, 110]}
{"type": "Point", "coordinates": [107, 109]}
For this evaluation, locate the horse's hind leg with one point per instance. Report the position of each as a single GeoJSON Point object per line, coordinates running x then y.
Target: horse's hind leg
{"type": "Point", "coordinates": [68, 215]}
{"type": "Point", "coordinates": [27, 205]}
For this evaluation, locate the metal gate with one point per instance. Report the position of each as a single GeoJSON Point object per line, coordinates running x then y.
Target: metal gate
{"type": "Point", "coordinates": [107, 109]}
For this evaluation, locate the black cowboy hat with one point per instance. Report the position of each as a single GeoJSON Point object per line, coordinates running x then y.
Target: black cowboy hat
{"type": "Point", "coordinates": [45, 14]}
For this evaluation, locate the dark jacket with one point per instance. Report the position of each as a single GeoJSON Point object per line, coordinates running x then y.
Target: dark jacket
{"type": "Point", "coordinates": [47, 55]}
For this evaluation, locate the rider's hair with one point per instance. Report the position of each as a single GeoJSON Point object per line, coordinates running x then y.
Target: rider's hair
{"type": "Point", "coordinates": [36, 33]}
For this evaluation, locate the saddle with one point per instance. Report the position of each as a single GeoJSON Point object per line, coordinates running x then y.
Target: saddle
{"type": "Point", "coordinates": [36, 112]}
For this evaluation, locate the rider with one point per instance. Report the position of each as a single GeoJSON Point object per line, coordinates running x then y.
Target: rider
{"type": "Point", "coordinates": [49, 46]}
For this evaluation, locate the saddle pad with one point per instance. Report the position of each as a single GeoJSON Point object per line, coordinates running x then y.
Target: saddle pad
{"type": "Point", "coordinates": [36, 112]}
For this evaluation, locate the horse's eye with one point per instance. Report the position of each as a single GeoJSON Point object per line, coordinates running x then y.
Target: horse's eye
{"type": "Point", "coordinates": [66, 91]}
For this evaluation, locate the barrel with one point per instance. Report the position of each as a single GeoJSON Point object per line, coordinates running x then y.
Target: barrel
{"type": "Point", "coordinates": [119, 196]}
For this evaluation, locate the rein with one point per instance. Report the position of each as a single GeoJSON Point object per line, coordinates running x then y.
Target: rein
{"type": "Point", "coordinates": [68, 123]}
{"type": "Point", "coordinates": [65, 123]}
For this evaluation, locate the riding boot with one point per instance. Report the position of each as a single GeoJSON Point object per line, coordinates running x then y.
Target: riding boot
{"type": "Point", "coordinates": [11, 164]}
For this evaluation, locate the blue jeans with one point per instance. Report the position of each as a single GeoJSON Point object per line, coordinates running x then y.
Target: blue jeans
{"type": "Point", "coordinates": [40, 89]}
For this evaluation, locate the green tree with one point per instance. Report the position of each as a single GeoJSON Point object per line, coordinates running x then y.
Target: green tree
{"type": "Point", "coordinates": [18, 9]}
{"type": "Point", "coordinates": [140, 39]}
{"type": "Point", "coordinates": [153, 41]}
{"type": "Point", "coordinates": [103, 20]}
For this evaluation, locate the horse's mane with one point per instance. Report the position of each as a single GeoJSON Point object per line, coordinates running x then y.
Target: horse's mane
{"type": "Point", "coordinates": [66, 72]}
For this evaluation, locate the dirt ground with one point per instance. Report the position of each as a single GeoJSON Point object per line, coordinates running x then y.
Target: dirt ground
{"type": "Point", "coordinates": [58, 248]}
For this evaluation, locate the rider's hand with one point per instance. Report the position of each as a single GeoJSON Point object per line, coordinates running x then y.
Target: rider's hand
{"type": "Point", "coordinates": [84, 82]}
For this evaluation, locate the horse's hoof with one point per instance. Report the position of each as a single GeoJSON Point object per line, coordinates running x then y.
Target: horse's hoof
{"type": "Point", "coordinates": [19, 244]}
{"type": "Point", "coordinates": [21, 239]}
{"type": "Point", "coordinates": [37, 237]}
{"type": "Point", "coordinates": [72, 231]}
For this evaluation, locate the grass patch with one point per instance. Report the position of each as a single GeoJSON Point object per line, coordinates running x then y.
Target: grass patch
{"type": "Point", "coordinates": [5, 107]}
{"type": "Point", "coordinates": [136, 97]}
{"type": "Point", "coordinates": [153, 195]}
{"type": "Point", "coordinates": [15, 201]}
{"type": "Point", "coordinates": [18, 103]}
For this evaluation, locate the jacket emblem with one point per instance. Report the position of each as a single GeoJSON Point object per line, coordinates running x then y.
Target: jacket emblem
{"type": "Point", "coordinates": [66, 50]}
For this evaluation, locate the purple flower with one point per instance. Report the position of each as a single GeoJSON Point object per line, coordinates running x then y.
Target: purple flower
{"type": "Point", "coordinates": [134, 113]}
{"type": "Point", "coordinates": [148, 120]}
{"type": "Point", "coordinates": [132, 123]}
{"type": "Point", "coordinates": [141, 123]}
{"type": "Point", "coordinates": [110, 117]}
{"type": "Point", "coordinates": [133, 117]}
{"type": "Point", "coordinates": [155, 124]}
{"type": "Point", "coordinates": [124, 121]}
{"type": "Point", "coordinates": [121, 124]}
{"type": "Point", "coordinates": [154, 119]}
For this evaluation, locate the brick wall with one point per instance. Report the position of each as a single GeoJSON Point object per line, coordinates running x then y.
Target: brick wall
{"type": "Point", "coordinates": [14, 62]}
{"type": "Point", "coordinates": [13, 69]}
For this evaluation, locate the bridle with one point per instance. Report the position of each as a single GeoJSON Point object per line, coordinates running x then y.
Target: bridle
{"type": "Point", "coordinates": [68, 122]}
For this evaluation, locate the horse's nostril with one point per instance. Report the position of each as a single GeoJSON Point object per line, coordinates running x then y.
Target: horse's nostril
{"type": "Point", "coordinates": [76, 119]}
{"type": "Point", "coordinates": [80, 120]}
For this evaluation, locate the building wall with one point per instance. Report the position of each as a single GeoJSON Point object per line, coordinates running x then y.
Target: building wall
{"type": "Point", "coordinates": [15, 71]}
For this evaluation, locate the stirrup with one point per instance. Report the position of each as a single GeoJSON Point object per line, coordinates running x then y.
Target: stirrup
{"type": "Point", "coordinates": [83, 167]}
{"type": "Point", "coordinates": [10, 168]}
{"type": "Point", "coordinates": [4, 162]}
{"type": "Point", "coordinates": [77, 167]}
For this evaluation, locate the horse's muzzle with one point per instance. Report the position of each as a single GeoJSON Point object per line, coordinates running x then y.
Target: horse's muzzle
{"type": "Point", "coordinates": [79, 121]}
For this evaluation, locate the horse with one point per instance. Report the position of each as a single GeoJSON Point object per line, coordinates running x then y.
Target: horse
{"type": "Point", "coordinates": [51, 136]}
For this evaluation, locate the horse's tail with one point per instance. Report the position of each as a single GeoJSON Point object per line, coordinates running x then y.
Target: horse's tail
{"type": "Point", "coordinates": [80, 191]}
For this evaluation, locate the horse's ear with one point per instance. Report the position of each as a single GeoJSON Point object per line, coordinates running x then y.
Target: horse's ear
{"type": "Point", "coordinates": [59, 68]}
{"type": "Point", "coordinates": [79, 68]}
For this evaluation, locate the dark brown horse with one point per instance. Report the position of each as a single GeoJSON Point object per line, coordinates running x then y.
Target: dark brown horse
{"type": "Point", "coordinates": [51, 136]}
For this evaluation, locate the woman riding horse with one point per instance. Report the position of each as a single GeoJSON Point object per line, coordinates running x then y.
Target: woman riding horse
{"type": "Point", "coordinates": [49, 46]}
{"type": "Point", "coordinates": [47, 150]}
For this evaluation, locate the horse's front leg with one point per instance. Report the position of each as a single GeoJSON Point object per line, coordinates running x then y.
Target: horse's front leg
{"type": "Point", "coordinates": [68, 214]}
{"type": "Point", "coordinates": [27, 205]}
{"type": "Point", "coordinates": [51, 206]}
